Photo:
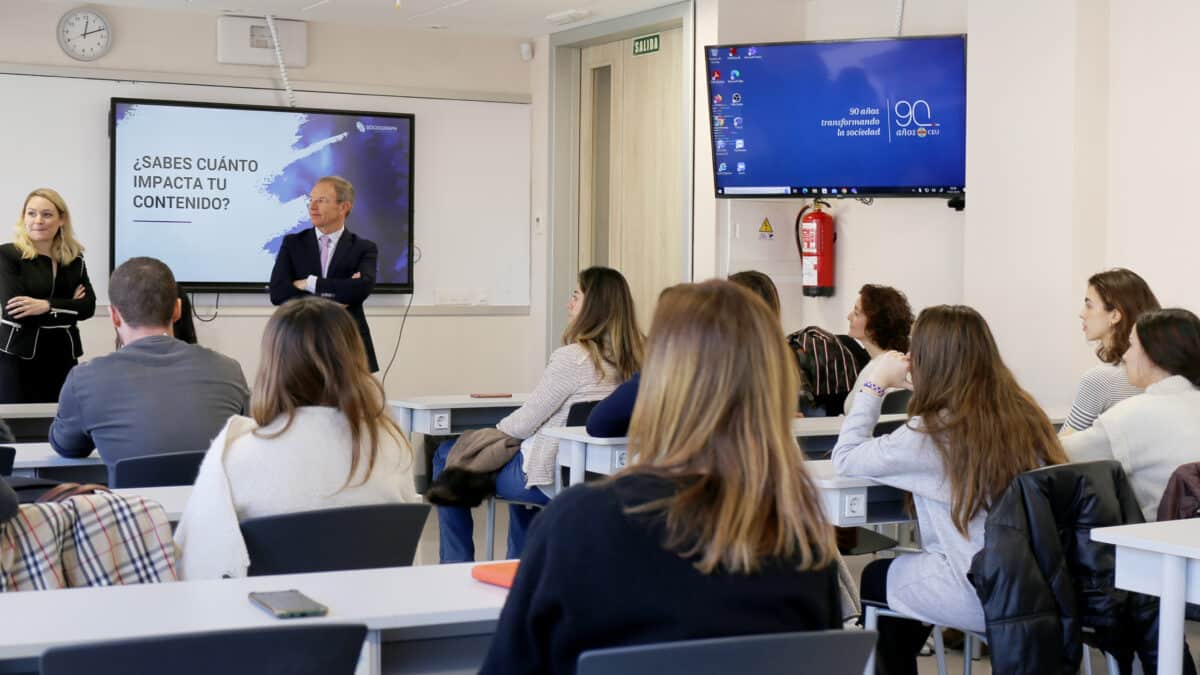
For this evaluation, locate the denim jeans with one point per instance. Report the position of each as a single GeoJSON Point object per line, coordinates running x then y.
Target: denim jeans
{"type": "Point", "coordinates": [455, 525]}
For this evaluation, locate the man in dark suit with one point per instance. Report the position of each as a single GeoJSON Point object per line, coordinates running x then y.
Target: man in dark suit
{"type": "Point", "coordinates": [329, 260]}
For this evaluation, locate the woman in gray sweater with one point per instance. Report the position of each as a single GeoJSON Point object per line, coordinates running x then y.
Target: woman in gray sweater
{"type": "Point", "coordinates": [973, 429]}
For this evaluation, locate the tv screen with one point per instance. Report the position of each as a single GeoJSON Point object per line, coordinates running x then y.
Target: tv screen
{"type": "Point", "coordinates": [881, 117]}
{"type": "Point", "coordinates": [212, 189]}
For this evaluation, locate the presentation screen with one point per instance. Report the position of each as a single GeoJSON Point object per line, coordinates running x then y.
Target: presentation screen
{"type": "Point", "coordinates": [881, 117]}
{"type": "Point", "coordinates": [212, 189]}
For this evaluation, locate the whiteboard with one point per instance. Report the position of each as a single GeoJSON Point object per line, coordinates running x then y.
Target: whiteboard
{"type": "Point", "coordinates": [471, 219]}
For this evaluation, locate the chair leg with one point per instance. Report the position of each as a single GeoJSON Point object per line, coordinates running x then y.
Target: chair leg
{"type": "Point", "coordinates": [1111, 662]}
{"type": "Point", "coordinates": [939, 650]}
{"type": "Point", "coordinates": [968, 652]}
{"type": "Point", "coordinates": [1085, 665]}
{"type": "Point", "coordinates": [490, 544]}
{"type": "Point", "coordinates": [870, 622]}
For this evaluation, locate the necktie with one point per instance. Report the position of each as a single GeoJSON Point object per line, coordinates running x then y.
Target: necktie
{"type": "Point", "coordinates": [325, 254]}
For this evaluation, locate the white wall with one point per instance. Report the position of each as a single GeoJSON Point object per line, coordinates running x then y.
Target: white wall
{"type": "Point", "coordinates": [438, 353]}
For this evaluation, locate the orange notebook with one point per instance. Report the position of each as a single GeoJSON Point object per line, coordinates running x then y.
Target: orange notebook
{"type": "Point", "coordinates": [496, 574]}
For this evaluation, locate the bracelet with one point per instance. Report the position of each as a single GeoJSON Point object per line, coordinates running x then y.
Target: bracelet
{"type": "Point", "coordinates": [874, 388]}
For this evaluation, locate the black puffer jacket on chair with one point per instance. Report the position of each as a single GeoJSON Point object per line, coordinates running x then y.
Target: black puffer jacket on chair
{"type": "Point", "coordinates": [1046, 587]}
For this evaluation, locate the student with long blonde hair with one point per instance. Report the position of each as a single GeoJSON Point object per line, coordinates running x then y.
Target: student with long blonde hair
{"type": "Point", "coordinates": [44, 293]}
{"type": "Point", "coordinates": [320, 436]}
{"type": "Point", "coordinates": [714, 529]}
{"type": "Point", "coordinates": [972, 430]}
{"type": "Point", "coordinates": [602, 346]}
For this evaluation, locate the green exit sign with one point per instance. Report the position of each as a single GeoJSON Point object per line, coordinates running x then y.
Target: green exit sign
{"type": "Point", "coordinates": [647, 44]}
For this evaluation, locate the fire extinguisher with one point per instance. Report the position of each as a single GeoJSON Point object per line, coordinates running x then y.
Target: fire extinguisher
{"type": "Point", "coordinates": [815, 235]}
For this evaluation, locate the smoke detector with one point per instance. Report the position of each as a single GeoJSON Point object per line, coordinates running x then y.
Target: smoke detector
{"type": "Point", "coordinates": [568, 16]}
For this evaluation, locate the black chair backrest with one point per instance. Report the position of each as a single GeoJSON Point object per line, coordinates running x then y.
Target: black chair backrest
{"type": "Point", "coordinates": [326, 540]}
{"type": "Point", "coordinates": [579, 411]}
{"type": "Point", "coordinates": [896, 402]}
{"type": "Point", "coordinates": [316, 649]}
{"type": "Point", "coordinates": [169, 468]}
{"type": "Point", "coordinates": [828, 652]}
{"type": "Point", "coordinates": [7, 457]}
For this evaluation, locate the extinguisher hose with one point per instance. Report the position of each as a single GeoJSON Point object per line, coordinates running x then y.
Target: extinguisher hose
{"type": "Point", "coordinates": [799, 217]}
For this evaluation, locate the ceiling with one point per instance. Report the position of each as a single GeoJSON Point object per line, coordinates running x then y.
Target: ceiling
{"type": "Point", "coordinates": [512, 18]}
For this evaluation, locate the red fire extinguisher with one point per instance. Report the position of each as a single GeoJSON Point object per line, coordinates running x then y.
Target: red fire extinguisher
{"type": "Point", "coordinates": [815, 235]}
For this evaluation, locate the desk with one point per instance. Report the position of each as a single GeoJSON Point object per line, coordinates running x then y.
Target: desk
{"type": "Point", "coordinates": [1161, 559]}
{"type": "Point", "coordinates": [848, 502]}
{"type": "Point", "coordinates": [172, 498]}
{"type": "Point", "coordinates": [34, 456]}
{"type": "Point", "coordinates": [19, 411]}
{"type": "Point", "coordinates": [430, 609]}
{"type": "Point", "coordinates": [453, 414]}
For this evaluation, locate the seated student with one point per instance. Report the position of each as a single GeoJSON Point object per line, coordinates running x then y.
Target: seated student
{"type": "Point", "coordinates": [602, 346]}
{"type": "Point", "coordinates": [1114, 301]}
{"type": "Point", "coordinates": [155, 394]}
{"type": "Point", "coordinates": [882, 321]}
{"type": "Point", "coordinates": [321, 437]}
{"type": "Point", "coordinates": [1152, 434]}
{"type": "Point", "coordinates": [610, 418]}
{"type": "Point", "coordinates": [8, 501]}
{"type": "Point", "coordinates": [952, 459]}
{"type": "Point", "coordinates": [714, 529]}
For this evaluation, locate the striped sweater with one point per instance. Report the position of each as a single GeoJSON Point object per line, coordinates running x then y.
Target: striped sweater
{"type": "Point", "coordinates": [569, 377]}
{"type": "Point", "coordinates": [1100, 388]}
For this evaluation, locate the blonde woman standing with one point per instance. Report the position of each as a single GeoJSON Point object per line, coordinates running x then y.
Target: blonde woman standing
{"type": "Point", "coordinates": [715, 529]}
{"type": "Point", "coordinates": [44, 293]}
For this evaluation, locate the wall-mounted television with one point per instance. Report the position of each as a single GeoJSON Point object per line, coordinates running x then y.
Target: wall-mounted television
{"type": "Point", "coordinates": [846, 118]}
{"type": "Point", "coordinates": [211, 189]}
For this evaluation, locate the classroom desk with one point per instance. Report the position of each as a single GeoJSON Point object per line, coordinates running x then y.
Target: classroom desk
{"type": "Point", "coordinates": [442, 617]}
{"type": "Point", "coordinates": [452, 414]}
{"type": "Point", "coordinates": [18, 411]}
{"type": "Point", "coordinates": [34, 456]}
{"type": "Point", "coordinates": [1161, 559]}
{"type": "Point", "coordinates": [848, 502]}
{"type": "Point", "coordinates": [172, 498]}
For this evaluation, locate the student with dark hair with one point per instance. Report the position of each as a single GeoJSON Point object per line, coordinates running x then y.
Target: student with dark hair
{"type": "Point", "coordinates": [156, 393]}
{"type": "Point", "coordinates": [715, 529]}
{"type": "Point", "coordinates": [881, 320]}
{"type": "Point", "coordinates": [601, 347]}
{"type": "Point", "coordinates": [1115, 299]}
{"type": "Point", "coordinates": [1152, 434]}
{"type": "Point", "coordinates": [320, 436]}
{"type": "Point", "coordinates": [761, 285]}
{"type": "Point", "coordinates": [952, 461]}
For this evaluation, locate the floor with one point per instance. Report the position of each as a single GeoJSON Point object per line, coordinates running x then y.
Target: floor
{"type": "Point", "coordinates": [427, 554]}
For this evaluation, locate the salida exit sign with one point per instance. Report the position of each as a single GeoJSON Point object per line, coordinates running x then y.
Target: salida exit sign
{"type": "Point", "coordinates": [646, 44]}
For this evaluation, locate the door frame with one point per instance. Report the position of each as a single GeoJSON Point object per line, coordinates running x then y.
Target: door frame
{"type": "Point", "coordinates": [562, 263]}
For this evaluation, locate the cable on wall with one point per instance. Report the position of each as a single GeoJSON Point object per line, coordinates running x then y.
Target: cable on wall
{"type": "Point", "coordinates": [287, 85]}
{"type": "Point", "coordinates": [899, 17]}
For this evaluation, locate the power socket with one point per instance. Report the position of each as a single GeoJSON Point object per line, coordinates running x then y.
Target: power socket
{"type": "Point", "coordinates": [854, 506]}
{"type": "Point", "coordinates": [441, 421]}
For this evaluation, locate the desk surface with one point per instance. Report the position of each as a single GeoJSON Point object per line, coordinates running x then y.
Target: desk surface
{"type": "Point", "coordinates": [1169, 537]}
{"type": "Point", "coordinates": [28, 410]}
{"type": "Point", "coordinates": [173, 499]}
{"type": "Point", "coordinates": [802, 427]}
{"type": "Point", "coordinates": [41, 456]}
{"type": "Point", "coordinates": [458, 401]}
{"type": "Point", "coordinates": [426, 597]}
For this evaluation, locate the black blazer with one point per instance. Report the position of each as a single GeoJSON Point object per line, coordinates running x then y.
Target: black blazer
{"type": "Point", "coordinates": [36, 278]}
{"type": "Point", "coordinates": [298, 258]}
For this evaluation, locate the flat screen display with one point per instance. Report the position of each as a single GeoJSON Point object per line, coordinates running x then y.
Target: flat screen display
{"type": "Point", "coordinates": [212, 189]}
{"type": "Point", "coordinates": [880, 117]}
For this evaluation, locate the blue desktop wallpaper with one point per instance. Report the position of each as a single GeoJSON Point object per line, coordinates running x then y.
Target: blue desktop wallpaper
{"type": "Point", "coordinates": [855, 117]}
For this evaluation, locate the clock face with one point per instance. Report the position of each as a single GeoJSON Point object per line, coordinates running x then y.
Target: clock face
{"type": "Point", "coordinates": [84, 34]}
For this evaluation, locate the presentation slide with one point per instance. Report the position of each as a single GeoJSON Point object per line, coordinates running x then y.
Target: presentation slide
{"type": "Point", "coordinates": [212, 189]}
{"type": "Point", "coordinates": [857, 117]}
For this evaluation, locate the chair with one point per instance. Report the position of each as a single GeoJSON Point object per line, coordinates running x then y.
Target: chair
{"type": "Point", "coordinates": [576, 417]}
{"type": "Point", "coordinates": [828, 652]}
{"type": "Point", "coordinates": [323, 649]}
{"type": "Point", "coordinates": [896, 402]}
{"type": "Point", "coordinates": [350, 538]}
{"type": "Point", "coordinates": [170, 468]}
{"type": "Point", "coordinates": [7, 457]}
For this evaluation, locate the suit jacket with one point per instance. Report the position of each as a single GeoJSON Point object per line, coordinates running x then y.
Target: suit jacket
{"type": "Point", "coordinates": [155, 395]}
{"type": "Point", "coordinates": [299, 257]}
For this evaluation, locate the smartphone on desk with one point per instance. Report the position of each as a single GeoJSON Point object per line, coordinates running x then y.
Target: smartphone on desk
{"type": "Point", "coordinates": [288, 604]}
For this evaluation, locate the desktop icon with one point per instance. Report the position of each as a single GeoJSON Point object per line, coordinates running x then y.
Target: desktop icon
{"type": "Point", "coordinates": [716, 75]}
{"type": "Point", "coordinates": [753, 51]}
{"type": "Point", "coordinates": [722, 167]}
{"type": "Point", "coordinates": [805, 191]}
{"type": "Point", "coordinates": [720, 146]}
{"type": "Point", "coordinates": [735, 74]}
{"type": "Point", "coordinates": [733, 51]}
{"type": "Point", "coordinates": [719, 121]}
{"type": "Point", "coordinates": [718, 98]}
{"type": "Point", "coordinates": [739, 144]}
{"type": "Point", "coordinates": [741, 167]}
{"type": "Point", "coordinates": [737, 123]}
{"type": "Point", "coordinates": [714, 52]}
{"type": "Point", "coordinates": [737, 97]}
{"type": "Point", "coordinates": [824, 191]}
{"type": "Point", "coordinates": [853, 191]}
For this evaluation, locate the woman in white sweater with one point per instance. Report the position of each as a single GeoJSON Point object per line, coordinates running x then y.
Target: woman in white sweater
{"type": "Point", "coordinates": [320, 437]}
{"type": "Point", "coordinates": [1152, 434]}
{"type": "Point", "coordinates": [954, 461]}
{"type": "Point", "coordinates": [602, 348]}
{"type": "Point", "coordinates": [1114, 300]}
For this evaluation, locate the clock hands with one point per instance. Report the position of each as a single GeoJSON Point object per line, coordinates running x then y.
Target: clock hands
{"type": "Point", "coordinates": [89, 32]}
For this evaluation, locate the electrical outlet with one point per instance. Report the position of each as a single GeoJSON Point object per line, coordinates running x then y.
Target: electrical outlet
{"type": "Point", "coordinates": [441, 421]}
{"type": "Point", "coordinates": [854, 506]}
